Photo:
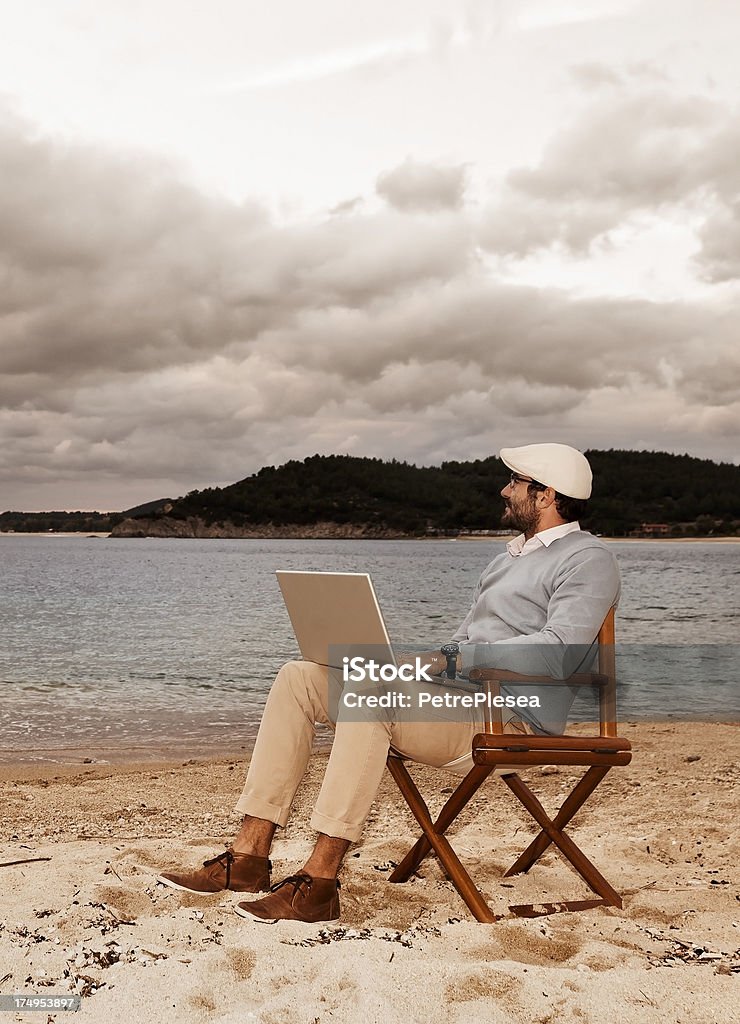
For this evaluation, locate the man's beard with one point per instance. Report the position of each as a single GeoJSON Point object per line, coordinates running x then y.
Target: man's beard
{"type": "Point", "coordinates": [524, 517]}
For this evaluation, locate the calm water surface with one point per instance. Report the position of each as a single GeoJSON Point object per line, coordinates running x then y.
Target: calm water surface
{"type": "Point", "coordinates": [150, 646]}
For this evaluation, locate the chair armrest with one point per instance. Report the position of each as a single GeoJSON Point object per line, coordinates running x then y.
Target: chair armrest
{"type": "Point", "coordinates": [499, 675]}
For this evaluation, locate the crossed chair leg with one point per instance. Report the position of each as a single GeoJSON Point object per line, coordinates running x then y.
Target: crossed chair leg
{"type": "Point", "coordinates": [433, 838]}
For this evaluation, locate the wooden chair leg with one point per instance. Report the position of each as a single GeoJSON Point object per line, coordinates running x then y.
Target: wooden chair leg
{"type": "Point", "coordinates": [575, 800]}
{"type": "Point", "coordinates": [462, 795]}
{"type": "Point", "coordinates": [459, 877]}
{"type": "Point", "coordinates": [588, 871]}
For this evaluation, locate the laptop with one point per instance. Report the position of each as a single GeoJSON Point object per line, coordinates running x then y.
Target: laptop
{"type": "Point", "coordinates": [335, 615]}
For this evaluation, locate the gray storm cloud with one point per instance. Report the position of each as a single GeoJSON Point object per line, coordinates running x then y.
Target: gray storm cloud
{"type": "Point", "coordinates": [153, 339]}
{"type": "Point", "coordinates": [418, 186]}
{"type": "Point", "coordinates": [630, 152]}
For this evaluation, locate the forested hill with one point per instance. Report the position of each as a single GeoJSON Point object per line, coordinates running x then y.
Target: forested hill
{"type": "Point", "coordinates": [649, 492]}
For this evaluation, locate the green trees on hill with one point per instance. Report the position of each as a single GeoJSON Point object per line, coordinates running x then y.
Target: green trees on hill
{"type": "Point", "coordinates": [59, 522]}
{"type": "Point", "coordinates": [680, 494]}
{"type": "Point", "coordinates": [632, 488]}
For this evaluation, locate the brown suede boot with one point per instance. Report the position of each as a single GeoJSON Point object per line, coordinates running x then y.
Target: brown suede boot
{"type": "Point", "coordinates": [239, 872]}
{"type": "Point", "coordinates": [297, 898]}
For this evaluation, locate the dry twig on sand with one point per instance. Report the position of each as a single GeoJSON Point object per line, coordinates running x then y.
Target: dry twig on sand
{"type": "Point", "coordinates": [27, 860]}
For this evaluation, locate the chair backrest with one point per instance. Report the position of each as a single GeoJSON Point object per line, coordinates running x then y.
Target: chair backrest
{"type": "Point", "coordinates": [604, 679]}
{"type": "Point", "coordinates": [608, 672]}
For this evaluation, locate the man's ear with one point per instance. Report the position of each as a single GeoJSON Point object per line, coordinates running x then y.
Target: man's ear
{"type": "Point", "coordinates": [547, 496]}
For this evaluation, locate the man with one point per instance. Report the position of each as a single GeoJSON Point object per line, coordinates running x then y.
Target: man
{"type": "Point", "coordinates": [537, 608]}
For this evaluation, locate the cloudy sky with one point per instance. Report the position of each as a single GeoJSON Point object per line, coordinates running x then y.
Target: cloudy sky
{"type": "Point", "coordinates": [234, 233]}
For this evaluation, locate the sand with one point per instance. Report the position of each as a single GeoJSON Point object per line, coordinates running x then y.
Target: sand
{"type": "Point", "coordinates": [92, 918]}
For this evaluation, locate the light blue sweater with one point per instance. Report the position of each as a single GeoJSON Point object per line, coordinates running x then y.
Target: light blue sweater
{"type": "Point", "coordinates": [540, 614]}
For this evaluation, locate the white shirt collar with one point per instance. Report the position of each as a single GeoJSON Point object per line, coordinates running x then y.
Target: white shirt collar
{"type": "Point", "coordinates": [519, 546]}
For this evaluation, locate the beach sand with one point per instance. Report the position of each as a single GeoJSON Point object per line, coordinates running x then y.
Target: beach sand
{"type": "Point", "coordinates": [663, 830]}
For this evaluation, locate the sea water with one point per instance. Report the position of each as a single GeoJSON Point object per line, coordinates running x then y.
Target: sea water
{"type": "Point", "coordinates": [148, 647]}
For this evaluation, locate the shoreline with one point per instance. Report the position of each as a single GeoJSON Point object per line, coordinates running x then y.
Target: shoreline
{"type": "Point", "coordinates": [90, 916]}
{"type": "Point", "coordinates": [71, 762]}
{"type": "Point", "coordinates": [87, 535]}
{"type": "Point", "coordinates": [35, 763]}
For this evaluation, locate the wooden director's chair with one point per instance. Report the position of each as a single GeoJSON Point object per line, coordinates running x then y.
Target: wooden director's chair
{"type": "Point", "coordinates": [496, 749]}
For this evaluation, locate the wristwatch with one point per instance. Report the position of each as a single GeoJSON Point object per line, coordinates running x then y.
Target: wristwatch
{"type": "Point", "coordinates": [451, 651]}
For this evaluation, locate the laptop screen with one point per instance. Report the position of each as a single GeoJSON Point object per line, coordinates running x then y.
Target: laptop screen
{"type": "Point", "coordinates": [335, 615]}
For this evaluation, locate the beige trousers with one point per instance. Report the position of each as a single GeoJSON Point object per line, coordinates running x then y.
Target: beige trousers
{"type": "Point", "coordinates": [305, 693]}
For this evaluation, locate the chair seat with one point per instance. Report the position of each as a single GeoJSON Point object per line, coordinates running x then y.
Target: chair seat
{"type": "Point", "coordinates": [515, 749]}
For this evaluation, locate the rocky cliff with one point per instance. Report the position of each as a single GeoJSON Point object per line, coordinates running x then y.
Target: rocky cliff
{"type": "Point", "coordinates": [194, 526]}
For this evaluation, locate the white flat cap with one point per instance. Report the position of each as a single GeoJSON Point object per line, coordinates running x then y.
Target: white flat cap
{"type": "Point", "coordinates": [557, 465]}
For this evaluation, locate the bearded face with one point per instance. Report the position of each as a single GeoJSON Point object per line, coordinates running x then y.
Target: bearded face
{"type": "Point", "coordinates": [520, 511]}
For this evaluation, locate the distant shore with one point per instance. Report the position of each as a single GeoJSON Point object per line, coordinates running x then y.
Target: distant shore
{"type": "Point", "coordinates": [627, 540]}
{"type": "Point", "coordinates": [83, 535]}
